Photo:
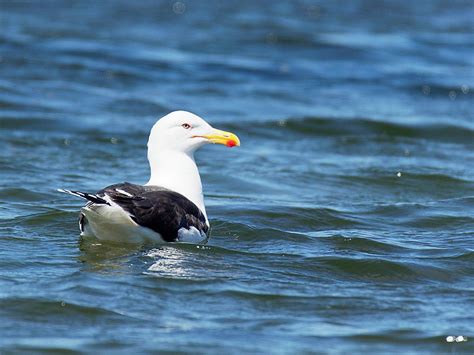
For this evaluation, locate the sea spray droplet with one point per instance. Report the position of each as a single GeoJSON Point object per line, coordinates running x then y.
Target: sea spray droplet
{"type": "Point", "coordinates": [179, 7]}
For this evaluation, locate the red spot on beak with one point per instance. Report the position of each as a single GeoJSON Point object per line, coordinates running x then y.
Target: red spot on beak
{"type": "Point", "coordinates": [230, 144]}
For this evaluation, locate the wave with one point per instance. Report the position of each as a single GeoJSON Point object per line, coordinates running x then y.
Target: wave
{"type": "Point", "coordinates": [462, 92]}
{"type": "Point", "coordinates": [356, 127]}
{"type": "Point", "coordinates": [21, 194]}
{"type": "Point", "coordinates": [57, 309]}
{"type": "Point", "coordinates": [293, 219]}
{"type": "Point", "coordinates": [46, 216]}
{"type": "Point", "coordinates": [174, 262]}
{"type": "Point", "coordinates": [379, 269]}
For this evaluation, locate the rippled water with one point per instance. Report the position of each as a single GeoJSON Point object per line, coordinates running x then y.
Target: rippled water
{"type": "Point", "coordinates": [343, 224]}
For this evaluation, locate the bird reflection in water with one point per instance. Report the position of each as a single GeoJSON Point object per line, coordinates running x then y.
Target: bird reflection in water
{"type": "Point", "coordinates": [106, 256]}
{"type": "Point", "coordinates": [168, 261]}
{"type": "Point", "coordinates": [177, 261]}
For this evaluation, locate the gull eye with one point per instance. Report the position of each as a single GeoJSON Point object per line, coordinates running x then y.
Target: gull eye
{"type": "Point", "coordinates": [186, 125]}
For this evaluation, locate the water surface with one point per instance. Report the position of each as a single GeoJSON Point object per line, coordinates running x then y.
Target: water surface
{"type": "Point", "coordinates": [344, 223]}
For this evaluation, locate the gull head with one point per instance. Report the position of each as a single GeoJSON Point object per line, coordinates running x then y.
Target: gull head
{"type": "Point", "coordinates": [186, 132]}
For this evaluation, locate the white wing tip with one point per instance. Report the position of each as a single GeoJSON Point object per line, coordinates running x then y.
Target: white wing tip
{"type": "Point", "coordinates": [120, 191]}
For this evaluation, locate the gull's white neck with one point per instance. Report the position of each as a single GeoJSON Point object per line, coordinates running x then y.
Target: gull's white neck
{"type": "Point", "coordinates": [177, 171]}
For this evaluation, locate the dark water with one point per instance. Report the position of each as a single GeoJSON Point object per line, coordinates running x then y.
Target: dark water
{"type": "Point", "coordinates": [343, 224]}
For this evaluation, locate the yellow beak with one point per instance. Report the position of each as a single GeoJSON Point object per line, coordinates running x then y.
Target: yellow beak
{"type": "Point", "coordinates": [222, 137]}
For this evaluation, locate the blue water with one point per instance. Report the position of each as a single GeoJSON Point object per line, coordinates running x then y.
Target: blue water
{"type": "Point", "coordinates": [343, 224]}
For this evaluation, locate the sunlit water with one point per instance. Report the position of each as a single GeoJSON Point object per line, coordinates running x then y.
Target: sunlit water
{"type": "Point", "coordinates": [343, 224]}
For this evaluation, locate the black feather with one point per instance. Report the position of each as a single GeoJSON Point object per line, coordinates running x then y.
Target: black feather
{"type": "Point", "coordinates": [87, 196]}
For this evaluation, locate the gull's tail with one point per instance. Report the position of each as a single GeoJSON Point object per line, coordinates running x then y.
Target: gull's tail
{"type": "Point", "coordinates": [87, 196]}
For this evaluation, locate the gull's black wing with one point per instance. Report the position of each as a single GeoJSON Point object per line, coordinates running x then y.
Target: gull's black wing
{"type": "Point", "coordinates": [162, 210]}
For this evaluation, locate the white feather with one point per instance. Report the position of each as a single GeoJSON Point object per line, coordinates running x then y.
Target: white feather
{"type": "Point", "coordinates": [113, 223]}
{"type": "Point", "coordinates": [120, 191]}
{"type": "Point", "coordinates": [191, 235]}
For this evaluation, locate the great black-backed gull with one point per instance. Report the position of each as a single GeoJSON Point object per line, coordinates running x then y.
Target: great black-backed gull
{"type": "Point", "coordinates": [170, 207]}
